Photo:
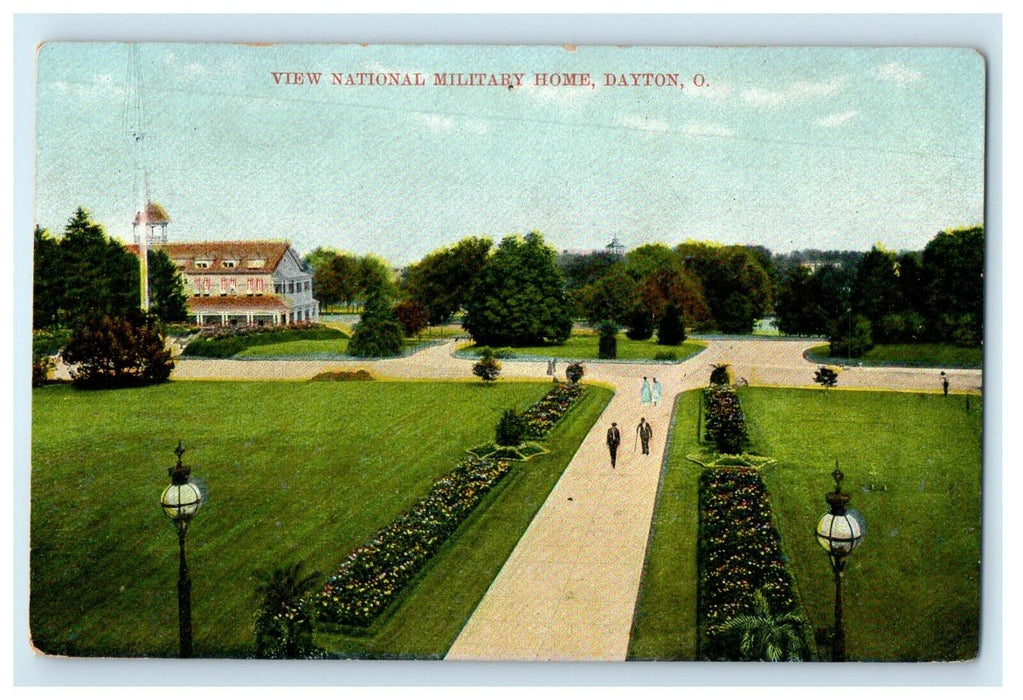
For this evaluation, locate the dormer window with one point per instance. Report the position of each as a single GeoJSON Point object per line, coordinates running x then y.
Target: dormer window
{"type": "Point", "coordinates": [254, 263]}
{"type": "Point", "coordinates": [230, 263]}
{"type": "Point", "coordinates": [202, 264]}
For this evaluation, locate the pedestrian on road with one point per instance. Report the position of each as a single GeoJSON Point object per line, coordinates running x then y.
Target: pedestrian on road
{"type": "Point", "coordinates": [614, 439]}
{"type": "Point", "coordinates": [656, 392]}
{"type": "Point", "coordinates": [944, 383]}
{"type": "Point", "coordinates": [645, 395]}
{"type": "Point", "coordinates": [552, 369]}
{"type": "Point", "coordinates": [645, 432]}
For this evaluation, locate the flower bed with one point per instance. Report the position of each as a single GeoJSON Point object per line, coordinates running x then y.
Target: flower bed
{"type": "Point", "coordinates": [545, 413]}
{"type": "Point", "coordinates": [739, 553]}
{"type": "Point", "coordinates": [518, 453]}
{"type": "Point", "coordinates": [373, 575]}
{"type": "Point", "coordinates": [725, 423]}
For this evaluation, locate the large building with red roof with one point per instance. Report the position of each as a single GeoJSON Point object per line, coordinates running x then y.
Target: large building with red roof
{"type": "Point", "coordinates": [243, 282]}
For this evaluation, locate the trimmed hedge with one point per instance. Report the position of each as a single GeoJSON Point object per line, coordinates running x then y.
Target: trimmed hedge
{"type": "Point", "coordinates": [739, 553]}
{"type": "Point", "coordinates": [374, 574]}
{"type": "Point", "coordinates": [227, 341]}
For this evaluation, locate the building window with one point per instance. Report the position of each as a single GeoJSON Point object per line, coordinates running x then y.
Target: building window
{"type": "Point", "coordinates": [291, 287]}
{"type": "Point", "coordinates": [202, 264]}
{"type": "Point", "coordinates": [230, 263]}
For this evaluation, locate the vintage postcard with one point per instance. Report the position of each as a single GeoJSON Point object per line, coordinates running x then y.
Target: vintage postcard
{"type": "Point", "coordinates": [507, 353]}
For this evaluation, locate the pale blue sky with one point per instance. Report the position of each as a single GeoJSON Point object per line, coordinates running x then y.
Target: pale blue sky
{"type": "Point", "coordinates": [788, 148]}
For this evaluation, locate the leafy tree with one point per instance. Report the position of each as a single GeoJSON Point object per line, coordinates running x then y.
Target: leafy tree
{"type": "Point", "coordinates": [412, 316]}
{"type": "Point", "coordinates": [953, 272]}
{"type": "Point", "coordinates": [378, 333]}
{"type": "Point", "coordinates": [115, 351]}
{"type": "Point", "coordinates": [851, 337]}
{"type": "Point", "coordinates": [519, 297]}
{"type": "Point", "coordinates": [284, 628]}
{"type": "Point", "coordinates": [488, 368]}
{"type": "Point", "coordinates": [763, 634]}
{"type": "Point", "coordinates": [610, 297]}
{"type": "Point", "coordinates": [583, 269]}
{"type": "Point", "coordinates": [736, 286]}
{"type": "Point", "coordinates": [336, 276]}
{"type": "Point", "coordinates": [826, 377]}
{"type": "Point", "coordinates": [167, 299]}
{"type": "Point", "coordinates": [607, 343]}
{"type": "Point", "coordinates": [876, 290]}
{"type": "Point", "coordinates": [670, 329]}
{"type": "Point", "coordinates": [442, 281]}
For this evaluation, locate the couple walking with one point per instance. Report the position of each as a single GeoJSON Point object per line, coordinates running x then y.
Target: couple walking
{"type": "Point", "coordinates": [614, 438]}
{"type": "Point", "coordinates": [650, 394]}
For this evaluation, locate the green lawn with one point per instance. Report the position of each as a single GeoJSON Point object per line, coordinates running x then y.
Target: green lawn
{"type": "Point", "coordinates": [664, 627]}
{"type": "Point", "coordinates": [296, 472]}
{"type": "Point", "coordinates": [584, 347]}
{"type": "Point", "coordinates": [908, 355]}
{"type": "Point", "coordinates": [329, 347]}
{"type": "Point", "coordinates": [912, 464]}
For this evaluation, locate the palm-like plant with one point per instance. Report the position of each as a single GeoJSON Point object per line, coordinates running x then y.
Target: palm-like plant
{"type": "Point", "coordinates": [284, 628]}
{"type": "Point", "coordinates": [764, 635]}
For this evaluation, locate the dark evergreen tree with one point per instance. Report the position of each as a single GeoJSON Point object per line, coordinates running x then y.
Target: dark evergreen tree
{"type": "Point", "coordinates": [47, 280]}
{"type": "Point", "coordinates": [671, 329]}
{"type": "Point", "coordinates": [379, 333]}
{"type": "Point", "coordinates": [953, 272]}
{"type": "Point", "coordinates": [607, 343]}
{"type": "Point", "coordinates": [115, 351]}
{"type": "Point", "coordinates": [167, 299]}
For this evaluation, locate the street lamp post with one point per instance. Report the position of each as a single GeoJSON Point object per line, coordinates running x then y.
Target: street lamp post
{"type": "Point", "coordinates": [180, 502]}
{"type": "Point", "coordinates": [839, 531]}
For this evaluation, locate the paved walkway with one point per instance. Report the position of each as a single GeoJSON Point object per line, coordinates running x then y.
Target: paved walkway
{"type": "Point", "coordinates": [568, 590]}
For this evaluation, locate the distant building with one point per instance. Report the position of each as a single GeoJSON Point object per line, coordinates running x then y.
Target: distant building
{"type": "Point", "coordinates": [243, 282]}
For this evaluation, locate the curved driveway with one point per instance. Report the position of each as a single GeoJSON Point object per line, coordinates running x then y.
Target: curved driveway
{"type": "Point", "coordinates": [568, 590]}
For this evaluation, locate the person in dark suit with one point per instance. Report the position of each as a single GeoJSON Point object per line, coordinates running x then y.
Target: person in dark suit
{"type": "Point", "coordinates": [645, 432]}
{"type": "Point", "coordinates": [614, 439]}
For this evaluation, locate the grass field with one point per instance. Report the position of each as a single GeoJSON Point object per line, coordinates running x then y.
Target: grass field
{"type": "Point", "coordinates": [664, 627]}
{"type": "Point", "coordinates": [296, 472]}
{"type": "Point", "coordinates": [915, 355]}
{"type": "Point", "coordinates": [584, 347]}
{"type": "Point", "coordinates": [912, 464]}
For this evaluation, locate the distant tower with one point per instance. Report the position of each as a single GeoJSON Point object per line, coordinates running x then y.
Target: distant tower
{"type": "Point", "coordinates": [153, 218]}
{"type": "Point", "coordinates": [616, 248]}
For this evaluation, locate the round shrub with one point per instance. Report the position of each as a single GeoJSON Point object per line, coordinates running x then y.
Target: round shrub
{"type": "Point", "coordinates": [511, 429]}
{"type": "Point", "coordinates": [574, 372]}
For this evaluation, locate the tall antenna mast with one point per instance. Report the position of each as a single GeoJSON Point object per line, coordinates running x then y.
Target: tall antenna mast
{"type": "Point", "coordinates": [135, 120]}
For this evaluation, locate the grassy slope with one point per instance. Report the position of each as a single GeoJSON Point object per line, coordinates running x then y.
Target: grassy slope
{"type": "Point", "coordinates": [665, 623]}
{"type": "Point", "coordinates": [297, 472]}
{"type": "Point", "coordinates": [916, 355]}
{"type": "Point", "coordinates": [912, 589]}
{"type": "Point", "coordinates": [584, 347]}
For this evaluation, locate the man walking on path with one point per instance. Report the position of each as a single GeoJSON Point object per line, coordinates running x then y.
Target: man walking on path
{"type": "Point", "coordinates": [645, 395]}
{"type": "Point", "coordinates": [656, 392]}
{"type": "Point", "coordinates": [645, 432]}
{"type": "Point", "coordinates": [614, 439]}
{"type": "Point", "coordinates": [944, 383]}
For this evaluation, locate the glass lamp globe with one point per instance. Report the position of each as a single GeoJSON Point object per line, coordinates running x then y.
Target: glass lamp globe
{"type": "Point", "coordinates": [181, 501]}
{"type": "Point", "coordinates": [839, 534]}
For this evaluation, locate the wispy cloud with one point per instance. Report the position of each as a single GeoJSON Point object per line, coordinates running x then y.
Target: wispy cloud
{"type": "Point", "coordinates": [799, 91]}
{"type": "Point", "coordinates": [895, 72]}
{"type": "Point", "coordinates": [565, 98]}
{"type": "Point", "coordinates": [698, 129]}
{"type": "Point", "coordinates": [441, 123]}
{"type": "Point", "coordinates": [837, 119]}
{"type": "Point", "coordinates": [635, 121]}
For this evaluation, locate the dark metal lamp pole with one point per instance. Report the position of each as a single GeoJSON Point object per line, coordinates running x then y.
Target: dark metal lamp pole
{"type": "Point", "coordinates": [180, 502]}
{"type": "Point", "coordinates": [839, 531]}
